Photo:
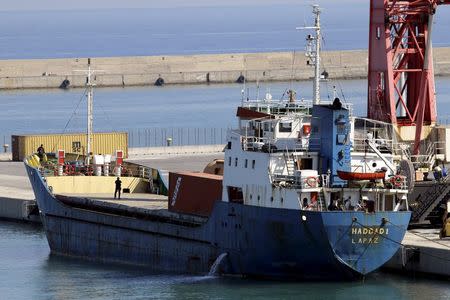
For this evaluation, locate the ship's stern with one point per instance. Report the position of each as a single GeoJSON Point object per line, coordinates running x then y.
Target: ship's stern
{"type": "Point", "coordinates": [365, 241]}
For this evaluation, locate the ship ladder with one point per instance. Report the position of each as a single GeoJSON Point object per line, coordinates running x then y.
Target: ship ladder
{"type": "Point", "coordinates": [321, 201]}
{"type": "Point", "coordinates": [289, 161]}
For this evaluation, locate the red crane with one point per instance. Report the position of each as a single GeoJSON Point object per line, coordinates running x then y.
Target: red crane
{"type": "Point", "coordinates": [401, 79]}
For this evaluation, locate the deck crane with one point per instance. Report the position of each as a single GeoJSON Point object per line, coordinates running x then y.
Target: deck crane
{"type": "Point", "coordinates": [401, 78]}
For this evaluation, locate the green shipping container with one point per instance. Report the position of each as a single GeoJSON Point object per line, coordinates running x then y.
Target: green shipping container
{"type": "Point", "coordinates": [103, 143]}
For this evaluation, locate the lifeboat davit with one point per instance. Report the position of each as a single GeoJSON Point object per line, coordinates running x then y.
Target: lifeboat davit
{"type": "Point", "coordinates": [360, 176]}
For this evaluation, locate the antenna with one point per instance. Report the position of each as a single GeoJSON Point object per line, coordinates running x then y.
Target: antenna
{"type": "Point", "coordinates": [313, 51]}
{"type": "Point", "coordinates": [244, 85]}
{"type": "Point", "coordinates": [257, 89]}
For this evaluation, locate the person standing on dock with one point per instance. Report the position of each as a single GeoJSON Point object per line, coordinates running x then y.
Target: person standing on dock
{"type": "Point", "coordinates": [118, 187]}
{"type": "Point", "coordinates": [41, 151]}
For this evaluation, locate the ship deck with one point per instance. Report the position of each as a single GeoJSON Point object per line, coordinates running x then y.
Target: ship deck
{"type": "Point", "coordinates": [137, 200]}
{"type": "Point", "coordinates": [139, 205]}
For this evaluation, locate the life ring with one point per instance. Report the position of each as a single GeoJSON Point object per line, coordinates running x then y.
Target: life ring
{"type": "Point", "coordinates": [397, 180]}
{"type": "Point", "coordinates": [311, 181]}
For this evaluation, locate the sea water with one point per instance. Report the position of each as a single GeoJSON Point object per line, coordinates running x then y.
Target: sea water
{"type": "Point", "coordinates": [135, 108]}
{"type": "Point", "coordinates": [29, 271]}
{"type": "Point", "coordinates": [217, 28]}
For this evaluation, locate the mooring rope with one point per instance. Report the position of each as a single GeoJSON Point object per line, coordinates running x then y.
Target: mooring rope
{"type": "Point", "coordinates": [424, 237]}
{"type": "Point", "coordinates": [401, 244]}
{"type": "Point", "coordinates": [348, 229]}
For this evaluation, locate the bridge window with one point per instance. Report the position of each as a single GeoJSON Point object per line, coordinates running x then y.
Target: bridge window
{"type": "Point", "coordinates": [285, 127]}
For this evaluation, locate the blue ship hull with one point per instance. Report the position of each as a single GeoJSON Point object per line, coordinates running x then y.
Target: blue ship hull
{"type": "Point", "coordinates": [259, 242]}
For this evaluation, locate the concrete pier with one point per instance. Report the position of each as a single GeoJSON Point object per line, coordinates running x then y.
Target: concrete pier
{"type": "Point", "coordinates": [423, 252]}
{"type": "Point", "coordinates": [16, 196]}
{"type": "Point", "coordinates": [193, 69]}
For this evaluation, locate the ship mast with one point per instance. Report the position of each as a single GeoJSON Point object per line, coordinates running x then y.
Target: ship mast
{"type": "Point", "coordinates": [90, 104]}
{"type": "Point", "coordinates": [90, 99]}
{"type": "Point", "coordinates": [313, 52]}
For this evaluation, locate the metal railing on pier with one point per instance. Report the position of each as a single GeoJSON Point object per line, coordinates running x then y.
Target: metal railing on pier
{"type": "Point", "coordinates": [160, 137]}
{"type": "Point", "coordinates": [149, 137]}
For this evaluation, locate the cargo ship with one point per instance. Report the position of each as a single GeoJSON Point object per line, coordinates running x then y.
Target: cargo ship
{"type": "Point", "coordinates": [279, 206]}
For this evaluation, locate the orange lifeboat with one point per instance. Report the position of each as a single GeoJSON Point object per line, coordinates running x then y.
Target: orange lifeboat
{"type": "Point", "coordinates": [360, 176]}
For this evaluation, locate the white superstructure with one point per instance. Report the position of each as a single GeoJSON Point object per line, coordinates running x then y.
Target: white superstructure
{"type": "Point", "coordinates": [273, 158]}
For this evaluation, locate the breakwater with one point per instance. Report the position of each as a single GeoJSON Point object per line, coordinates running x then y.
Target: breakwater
{"type": "Point", "coordinates": [193, 69]}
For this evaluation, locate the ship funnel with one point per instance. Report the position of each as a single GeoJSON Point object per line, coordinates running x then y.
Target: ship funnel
{"type": "Point", "coordinates": [215, 266]}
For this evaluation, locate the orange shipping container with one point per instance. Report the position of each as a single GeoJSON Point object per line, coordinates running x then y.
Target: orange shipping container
{"type": "Point", "coordinates": [194, 193]}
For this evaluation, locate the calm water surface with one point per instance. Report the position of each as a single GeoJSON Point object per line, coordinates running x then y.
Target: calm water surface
{"type": "Point", "coordinates": [202, 106]}
{"type": "Point", "coordinates": [187, 30]}
{"type": "Point", "coordinates": [28, 271]}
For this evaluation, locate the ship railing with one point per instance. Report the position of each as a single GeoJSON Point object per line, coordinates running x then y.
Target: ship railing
{"type": "Point", "coordinates": [253, 143]}
{"type": "Point", "coordinates": [380, 133]}
{"type": "Point", "coordinates": [294, 181]}
{"type": "Point", "coordinates": [277, 106]}
{"type": "Point", "coordinates": [383, 145]}
{"type": "Point", "coordinates": [50, 169]}
{"type": "Point", "coordinates": [284, 106]}
{"type": "Point", "coordinates": [270, 144]}
{"type": "Point", "coordinates": [282, 180]}
{"type": "Point", "coordinates": [432, 153]}
{"type": "Point", "coordinates": [77, 168]}
{"type": "Point", "coordinates": [398, 182]}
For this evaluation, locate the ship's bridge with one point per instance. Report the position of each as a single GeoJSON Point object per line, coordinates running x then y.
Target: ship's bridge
{"type": "Point", "coordinates": [287, 133]}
